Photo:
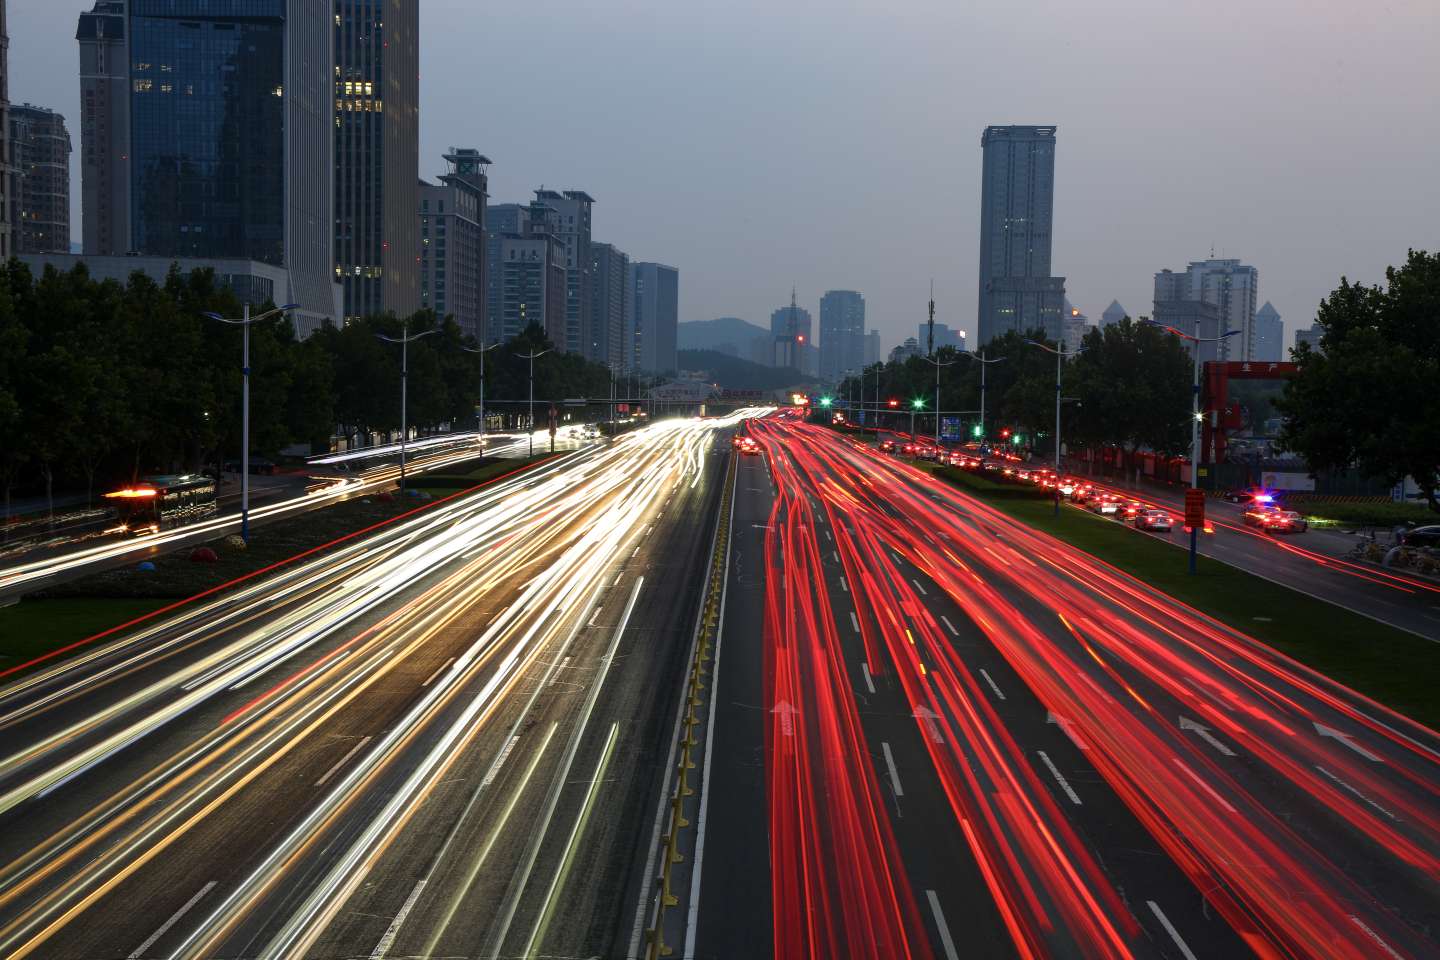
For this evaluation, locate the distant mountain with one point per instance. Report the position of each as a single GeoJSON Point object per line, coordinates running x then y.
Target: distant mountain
{"type": "Point", "coordinates": [715, 334]}
{"type": "Point", "coordinates": [732, 373]}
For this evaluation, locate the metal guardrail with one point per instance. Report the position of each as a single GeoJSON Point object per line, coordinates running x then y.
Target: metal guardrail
{"type": "Point", "coordinates": [709, 625]}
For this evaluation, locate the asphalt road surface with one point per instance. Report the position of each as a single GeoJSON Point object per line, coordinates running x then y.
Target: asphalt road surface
{"type": "Point", "coordinates": [964, 738]}
{"type": "Point", "coordinates": [439, 740]}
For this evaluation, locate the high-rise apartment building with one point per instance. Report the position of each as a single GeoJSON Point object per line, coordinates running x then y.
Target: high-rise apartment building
{"type": "Point", "coordinates": [609, 306]}
{"type": "Point", "coordinates": [7, 186]}
{"type": "Point", "coordinates": [655, 312]}
{"type": "Point", "coordinates": [206, 135]}
{"type": "Point", "coordinates": [452, 241]}
{"type": "Point", "coordinates": [1228, 285]}
{"type": "Point", "coordinates": [1176, 305]}
{"type": "Point", "coordinates": [377, 163]}
{"type": "Point", "coordinates": [1309, 335]}
{"type": "Point", "coordinates": [1269, 335]}
{"type": "Point", "coordinates": [872, 348]}
{"type": "Point", "coordinates": [842, 334]}
{"type": "Point", "coordinates": [792, 339]}
{"type": "Point", "coordinates": [1017, 201]}
{"type": "Point", "coordinates": [40, 199]}
{"type": "Point", "coordinates": [525, 272]}
{"type": "Point", "coordinates": [570, 221]}
{"type": "Point", "coordinates": [104, 126]}
{"type": "Point", "coordinates": [945, 336]}
{"type": "Point", "coordinates": [1073, 328]}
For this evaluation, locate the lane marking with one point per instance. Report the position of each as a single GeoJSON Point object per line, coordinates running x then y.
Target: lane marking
{"type": "Point", "coordinates": [992, 683]}
{"type": "Point", "coordinates": [1374, 936]}
{"type": "Point", "coordinates": [894, 774]}
{"type": "Point", "coordinates": [1170, 929]}
{"type": "Point", "coordinates": [828, 537]}
{"type": "Point", "coordinates": [918, 587]}
{"type": "Point", "coordinates": [947, 943]}
{"type": "Point", "coordinates": [1203, 785]}
{"type": "Point", "coordinates": [854, 621]}
{"type": "Point", "coordinates": [431, 679]}
{"type": "Point", "coordinates": [556, 675]}
{"type": "Point", "coordinates": [927, 718]}
{"type": "Point", "coordinates": [1055, 772]}
{"type": "Point", "coordinates": [1203, 732]}
{"type": "Point", "coordinates": [341, 762]}
{"type": "Point", "coordinates": [1356, 792]}
{"type": "Point", "coordinates": [637, 550]}
{"type": "Point", "coordinates": [949, 626]}
{"type": "Point", "coordinates": [869, 682]}
{"type": "Point", "coordinates": [593, 618]}
{"type": "Point", "coordinates": [843, 585]}
{"type": "Point", "coordinates": [174, 919]}
{"type": "Point", "coordinates": [499, 761]}
{"type": "Point", "coordinates": [387, 941]}
{"type": "Point", "coordinates": [836, 555]}
{"type": "Point", "coordinates": [1346, 739]}
{"type": "Point", "coordinates": [618, 577]}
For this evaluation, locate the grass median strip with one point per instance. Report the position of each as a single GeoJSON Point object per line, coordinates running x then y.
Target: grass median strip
{"type": "Point", "coordinates": [1397, 668]}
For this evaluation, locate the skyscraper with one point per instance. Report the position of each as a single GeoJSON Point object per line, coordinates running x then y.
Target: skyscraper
{"type": "Point", "coordinates": [610, 288]}
{"type": "Point", "coordinates": [7, 185]}
{"type": "Point", "coordinates": [872, 347]}
{"type": "Point", "coordinates": [40, 160]}
{"type": "Point", "coordinates": [1017, 200]}
{"type": "Point", "coordinates": [792, 338]}
{"type": "Point", "coordinates": [1227, 285]}
{"type": "Point", "coordinates": [104, 129]}
{"type": "Point", "coordinates": [1113, 314]}
{"type": "Point", "coordinates": [1074, 326]}
{"type": "Point", "coordinates": [525, 272]}
{"type": "Point", "coordinates": [377, 161]}
{"type": "Point", "coordinates": [842, 334]}
{"type": "Point", "coordinates": [452, 241]}
{"type": "Point", "coordinates": [223, 146]}
{"type": "Point", "coordinates": [655, 308]}
{"type": "Point", "coordinates": [570, 221]}
{"type": "Point", "coordinates": [1269, 335]}
{"type": "Point", "coordinates": [945, 336]}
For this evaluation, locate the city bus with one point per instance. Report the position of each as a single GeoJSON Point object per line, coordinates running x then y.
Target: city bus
{"type": "Point", "coordinates": [163, 502]}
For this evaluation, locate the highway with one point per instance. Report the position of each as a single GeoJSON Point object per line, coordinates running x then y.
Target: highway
{"type": "Point", "coordinates": [966, 738]}
{"type": "Point", "coordinates": [437, 740]}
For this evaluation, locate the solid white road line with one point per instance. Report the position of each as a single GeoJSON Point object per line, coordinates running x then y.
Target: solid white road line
{"type": "Point", "coordinates": [174, 918]}
{"type": "Point", "coordinates": [947, 943]}
{"type": "Point", "coordinates": [890, 765]}
{"type": "Point", "coordinates": [1375, 936]}
{"type": "Point", "coordinates": [918, 587]}
{"type": "Point", "coordinates": [1170, 929]}
{"type": "Point", "coordinates": [869, 681]}
{"type": "Point", "coordinates": [387, 941]}
{"type": "Point", "coordinates": [430, 679]}
{"type": "Point", "coordinates": [1055, 772]}
{"type": "Point", "coordinates": [949, 626]}
{"type": "Point", "coordinates": [348, 754]}
{"type": "Point", "coordinates": [854, 621]}
{"type": "Point", "coordinates": [992, 683]}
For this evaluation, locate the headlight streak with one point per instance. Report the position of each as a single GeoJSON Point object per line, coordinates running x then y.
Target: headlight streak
{"type": "Point", "coordinates": [1278, 890]}
{"type": "Point", "coordinates": [611, 492]}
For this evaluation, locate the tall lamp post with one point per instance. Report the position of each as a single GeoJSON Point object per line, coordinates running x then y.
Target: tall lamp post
{"type": "Point", "coordinates": [480, 416]}
{"type": "Point", "coordinates": [937, 364]}
{"type": "Point", "coordinates": [404, 340]}
{"type": "Point", "coordinates": [1059, 361]}
{"type": "Point", "coordinates": [984, 365]}
{"type": "Point", "coordinates": [532, 357]}
{"type": "Point", "coordinates": [244, 324]}
{"type": "Point", "coordinates": [1195, 414]}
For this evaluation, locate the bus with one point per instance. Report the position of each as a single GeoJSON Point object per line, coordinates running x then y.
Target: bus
{"type": "Point", "coordinates": [163, 502]}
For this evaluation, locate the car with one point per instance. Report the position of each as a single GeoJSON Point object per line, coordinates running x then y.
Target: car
{"type": "Point", "coordinates": [1260, 515]}
{"type": "Point", "coordinates": [888, 446]}
{"type": "Point", "coordinates": [748, 446]}
{"type": "Point", "coordinates": [992, 466]}
{"type": "Point", "coordinates": [1287, 521]}
{"type": "Point", "coordinates": [1130, 509]}
{"type": "Point", "coordinates": [1427, 536]}
{"type": "Point", "coordinates": [925, 452]}
{"type": "Point", "coordinates": [908, 449]}
{"type": "Point", "coordinates": [1104, 505]}
{"type": "Point", "coordinates": [1237, 496]}
{"type": "Point", "coordinates": [1157, 520]}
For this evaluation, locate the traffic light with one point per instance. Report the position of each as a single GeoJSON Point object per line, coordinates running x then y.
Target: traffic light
{"type": "Point", "coordinates": [918, 403]}
{"type": "Point", "coordinates": [1005, 433]}
{"type": "Point", "coordinates": [1017, 439]}
{"type": "Point", "coordinates": [825, 401]}
{"type": "Point", "coordinates": [976, 431]}
{"type": "Point", "coordinates": [893, 402]}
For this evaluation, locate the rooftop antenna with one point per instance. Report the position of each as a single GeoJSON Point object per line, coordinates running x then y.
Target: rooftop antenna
{"type": "Point", "coordinates": [930, 345]}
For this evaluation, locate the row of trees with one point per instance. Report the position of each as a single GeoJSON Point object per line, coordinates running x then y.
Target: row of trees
{"type": "Point", "coordinates": [102, 382]}
{"type": "Point", "coordinates": [1132, 382]}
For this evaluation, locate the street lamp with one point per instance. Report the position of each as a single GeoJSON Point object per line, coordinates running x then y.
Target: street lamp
{"type": "Point", "coordinates": [404, 341]}
{"type": "Point", "coordinates": [244, 324]}
{"type": "Point", "coordinates": [937, 364]}
{"type": "Point", "coordinates": [1059, 359]}
{"type": "Point", "coordinates": [984, 365]}
{"type": "Point", "coordinates": [532, 357]}
{"type": "Point", "coordinates": [480, 417]}
{"type": "Point", "coordinates": [1195, 415]}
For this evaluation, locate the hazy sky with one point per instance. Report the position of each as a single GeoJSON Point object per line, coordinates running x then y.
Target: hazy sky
{"type": "Point", "coordinates": [756, 145]}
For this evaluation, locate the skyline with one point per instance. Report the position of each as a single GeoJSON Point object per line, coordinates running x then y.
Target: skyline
{"type": "Point", "coordinates": [1240, 140]}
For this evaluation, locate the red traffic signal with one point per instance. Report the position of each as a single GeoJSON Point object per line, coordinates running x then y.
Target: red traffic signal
{"type": "Point", "coordinates": [1005, 432]}
{"type": "Point", "coordinates": [893, 402]}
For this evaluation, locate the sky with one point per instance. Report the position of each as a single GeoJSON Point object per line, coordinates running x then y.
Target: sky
{"type": "Point", "coordinates": [826, 145]}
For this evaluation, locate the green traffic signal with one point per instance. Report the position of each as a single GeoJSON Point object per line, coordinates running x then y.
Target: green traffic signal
{"type": "Point", "coordinates": [1017, 439]}
{"type": "Point", "coordinates": [975, 431]}
{"type": "Point", "coordinates": [917, 403]}
{"type": "Point", "coordinates": [825, 401]}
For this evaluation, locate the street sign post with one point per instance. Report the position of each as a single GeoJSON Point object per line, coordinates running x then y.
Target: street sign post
{"type": "Point", "coordinates": [1195, 520]}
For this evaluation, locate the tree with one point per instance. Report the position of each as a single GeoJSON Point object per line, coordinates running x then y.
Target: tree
{"type": "Point", "coordinates": [1369, 398]}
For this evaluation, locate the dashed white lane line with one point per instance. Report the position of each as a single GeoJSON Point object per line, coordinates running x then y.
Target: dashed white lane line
{"type": "Point", "coordinates": [431, 679]}
{"type": "Point", "coordinates": [923, 593]}
{"type": "Point", "coordinates": [836, 555]}
{"type": "Point", "coordinates": [854, 621]}
{"type": "Point", "coordinates": [992, 683]}
{"type": "Point", "coordinates": [1170, 929]}
{"type": "Point", "coordinates": [869, 681]}
{"type": "Point", "coordinates": [392, 931]}
{"type": "Point", "coordinates": [894, 774]}
{"type": "Point", "coordinates": [341, 762]}
{"type": "Point", "coordinates": [556, 675]}
{"type": "Point", "coordinates": [594, 617]}
{"type": "Point", "coordinates": [844, 586]}
{"type": "Point", "coordinates": [949, 626]}
{"type": "Point", "coordinates": [828, 537]}
{"type": "Point", "coordinates": [1055, 772]}
{"type": "Point", "coordinates": [947, 943]}
{"type": "Point", "coordinates": [1202, 784]}
{"type": "Point", "coordinates": [174, 919]}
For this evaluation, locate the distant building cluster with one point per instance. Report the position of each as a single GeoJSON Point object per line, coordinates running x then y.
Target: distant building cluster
{"type": "Point", "coordinates": [278, 144]}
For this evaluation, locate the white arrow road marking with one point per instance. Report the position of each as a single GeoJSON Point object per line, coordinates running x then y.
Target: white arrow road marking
{"type": "Point", "coordinates": [1052, 717]}
{"type": "Point", "coordinates": [1346, 739]}
{"type": "Point", "coordinates": [927, 718]}
{"type": "Point", "coordinates": [1203, 733]}
{"type": "Point", "coordinates": [787, 712]}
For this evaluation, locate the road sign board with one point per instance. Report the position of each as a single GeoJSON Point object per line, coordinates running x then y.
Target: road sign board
{"type": "Point", "coordinates": [573, 402]}
{"type": "Point", "coordinates": [1194, 508]}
